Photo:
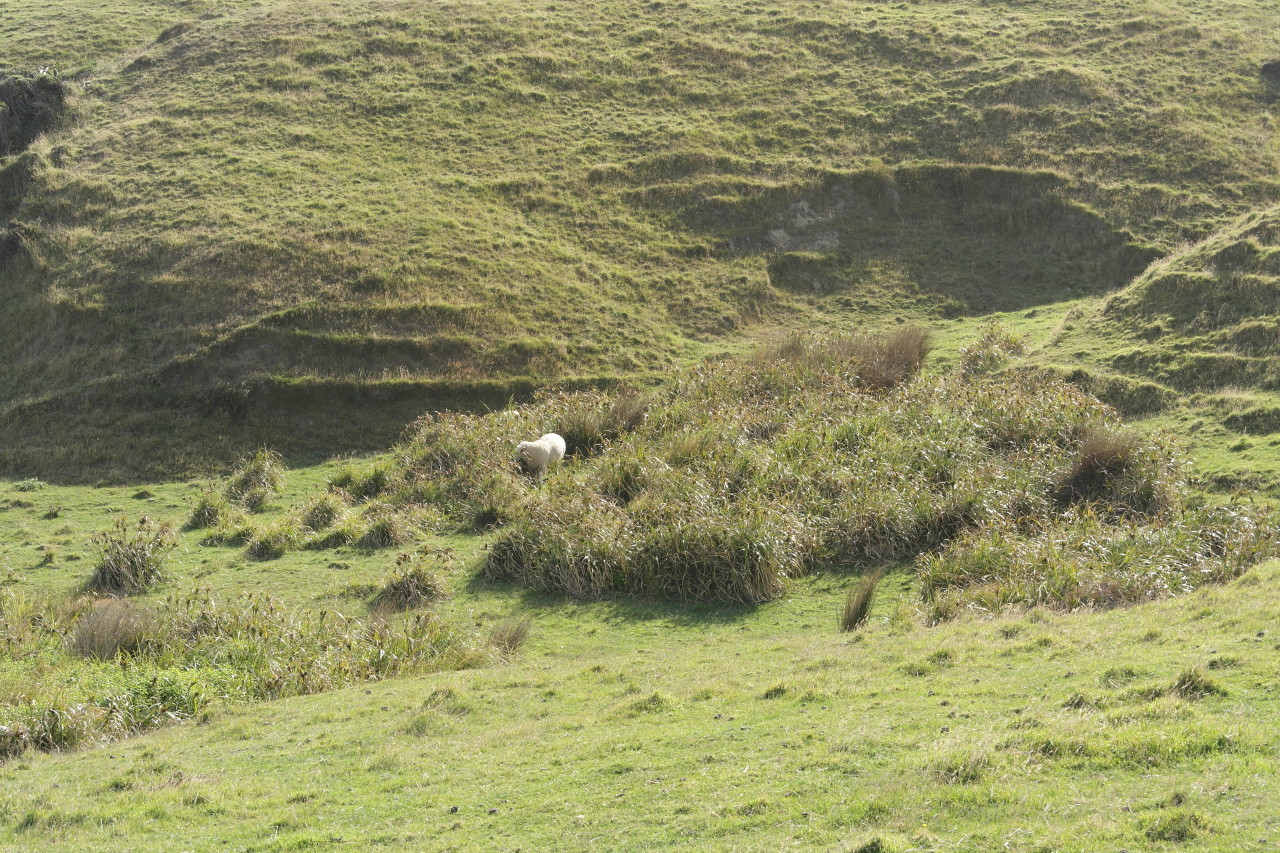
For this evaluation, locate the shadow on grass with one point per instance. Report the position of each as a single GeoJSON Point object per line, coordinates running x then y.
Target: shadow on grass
{"type": "Point", "coordinates": [899, 580]}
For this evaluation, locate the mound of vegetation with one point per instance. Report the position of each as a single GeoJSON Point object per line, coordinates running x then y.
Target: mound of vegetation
{"type": "Point", "coordinates": [737, 475]}
{"type": "Point", "coordinates": [29, 106]}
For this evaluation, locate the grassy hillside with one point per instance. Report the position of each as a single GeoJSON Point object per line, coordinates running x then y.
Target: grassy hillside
{"type": "Point", "coordinates": [635, 726]}
{"type": "Point", "coordinates": [959, 715]}
{"type": "Point", "coordinates": [796, 586]}
{"type": "Point", "coordinates": [303, 222]}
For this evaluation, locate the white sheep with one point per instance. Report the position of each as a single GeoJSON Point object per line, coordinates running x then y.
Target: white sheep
{"type": "Point", "coordinates": [541, 454]}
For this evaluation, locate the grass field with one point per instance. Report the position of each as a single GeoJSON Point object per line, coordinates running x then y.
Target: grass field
{"type": "Point", "coordinates": [630, 725]}
{"type": "Point", "coordinates": [797, 586]}
{"type": "Point", "coordinates": [633, 723]}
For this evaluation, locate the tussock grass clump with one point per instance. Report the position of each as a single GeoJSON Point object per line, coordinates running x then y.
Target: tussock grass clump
{"type": "Point", "coordinates": [588, 420]}
{"type": "Point", "coordinates": [1118, 470]}
{"type": "Point", "coordinates": [739, 474]}
{"type": "Point", "coordinates": [887, 361]}
{"type": "Point", "coordinates": [278, 652]}
{"type": "Point", "coordinates": [256, 479]}
{"type": "Point", "coordinates": [340, 536]}
{"type": "Point", "coordinates": [234, 529]}
{"type": "Point", "coordinates": [414, 583]}
{"type": "Point", "coordinates": [960, 768]}
{"type": "Point", "coordinates": [131, 560]}
{"type": "Point", "coordinates": [857, 604]}
{"type": "Point", "coordinates": [992, 350]}
{"type": "Point", "coordinates": [385, 529]}
{"type": "Point", "coordinates": [322, 511]}
{"type": "Point", "coordinates": [1193, 684]}
{"type": "Point", "coordinates": [510, 634]}
{"type": "Point", "coordinates": [654, 703]}
{"type": "Point", "coordinates": [363, 485]}
{"type": "Point", "coordinates": [576, 544]}
{"type": "Point", "coordinates": [466, 465]}
{"type": "Point", "coordinates": [271, 543]}
{"type": "Point", "coordinates": [113, 627]}
{"type": "Point", "coordinates": [210, 509]}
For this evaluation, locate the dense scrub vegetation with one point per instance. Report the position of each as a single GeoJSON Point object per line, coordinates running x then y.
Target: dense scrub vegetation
{"type": "Point", "coordinates": [1010, 487]}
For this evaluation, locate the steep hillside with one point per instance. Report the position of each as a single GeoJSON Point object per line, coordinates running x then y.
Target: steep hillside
{"type": "Point", "coordinates": [1193, 344]}
{"type": "Point", "coordinates": [1209, 316]}
{"type": "Point", "coordinates": [302, 222]}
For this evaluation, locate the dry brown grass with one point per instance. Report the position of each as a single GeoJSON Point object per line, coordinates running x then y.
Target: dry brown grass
{"type": "Point", "coordinates": [1109, 468]}
{"type": "Point", "coordinates": [510, 634]}
{"type": "Point", "coordinates": [889, 360]}
{"type": "Point", "coordinates": [113, 627]}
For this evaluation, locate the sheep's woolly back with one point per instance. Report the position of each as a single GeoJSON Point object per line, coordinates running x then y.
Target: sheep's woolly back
{"type": "Point", "coordinates": [541, 454]}
{"type": "Point", "coordinates": [537, 454]}
{"type": "Point", "coordinates": [556, 443]}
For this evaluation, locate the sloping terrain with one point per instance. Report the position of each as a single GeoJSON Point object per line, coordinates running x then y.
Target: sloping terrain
{"type": "Point", "coordinates": [1209, 316]}
{"type": "Point", "coordinates": [974, 611]}
{"type": "Point", "coordinates": [1193, 345]}
{"type": "Point", "coordinates": [250, 207]}
{"type": "Point", "coordinates": [637, 727]}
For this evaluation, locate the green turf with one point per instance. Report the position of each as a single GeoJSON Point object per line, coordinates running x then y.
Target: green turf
{"type": "Point", "coordinates": [640, 726]}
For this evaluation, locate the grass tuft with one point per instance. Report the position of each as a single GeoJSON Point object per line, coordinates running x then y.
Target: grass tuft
{"type": "Point", "coordinates": [1176, 826]}
{"type": "Point", "coordinates": [210, 509]}
{"type": "Point", "coordinates": [654, 703]}
{"type": "Point", "coordinates": [857, 604]}
{"type": "Point", "coordinates": [589, 420]}
{"type": "Point", "coordinates": [256, 479]}
{"type": "Point", "coordinates": [113, 627]}
{"type": "Point", "coordinates": [412, 584]}
{"type": "Point", "coordinates": [1115, 469]}
{"type": "Point", "coordinates": [271, 543]}
{"type": "Point", "coordinates": [131, 561]}
{"type": "Point", "coordinates": [993, 349]}
{"type": "Point", "coordinates": [510, 634]}
{"type": "Point", "coordinates": [322, 511]}
{"type": "Point", "coordinates": [962, 768]}
{"type": "Point", "coordinates": [386, 529]}
{"type": "Point", "coordinates": [887, 361]}
{"type": "Point", "coordinates": [1193, 684]}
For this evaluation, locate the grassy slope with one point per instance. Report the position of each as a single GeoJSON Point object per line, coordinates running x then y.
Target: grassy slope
{"type": "Point", "coordinates": [287, 202]}
{"type": "Point", "coordinates": [605, 730]}
{"type": "Point", "coordinates": [634, 727]}
{"type": "Point", "coordinates": [417, 233]}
